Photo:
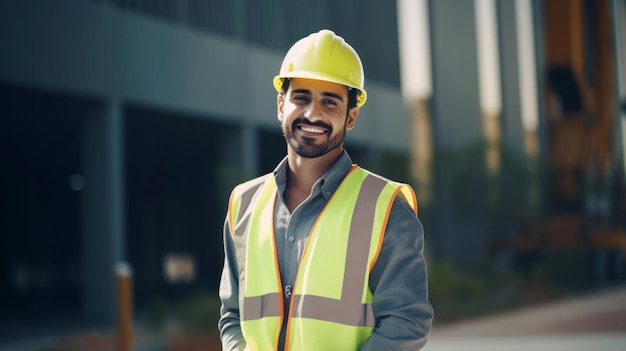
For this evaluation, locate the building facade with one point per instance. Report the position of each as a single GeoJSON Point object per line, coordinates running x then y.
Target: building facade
{"type": "Point", "coordinates": [125, 123]}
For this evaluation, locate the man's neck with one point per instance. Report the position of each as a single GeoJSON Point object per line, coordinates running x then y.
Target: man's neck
{"type": "Point", "coordinates": [304, 172]}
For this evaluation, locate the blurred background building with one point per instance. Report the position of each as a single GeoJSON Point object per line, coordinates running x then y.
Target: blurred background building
{"type": "Point", "coordinates": [125, 123]}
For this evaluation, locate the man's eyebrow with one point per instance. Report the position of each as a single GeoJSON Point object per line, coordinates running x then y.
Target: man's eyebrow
{"type": "Point", "coordinates": [333, 95]}
{"type": "Point", "coordinates": [326, 93]}
{"type": "Point", "coordinates": [301, 91]}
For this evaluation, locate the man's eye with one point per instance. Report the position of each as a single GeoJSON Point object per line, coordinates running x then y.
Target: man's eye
{"type": "Point", "coordinates": [300, 98]}
{"type": "Point", "coordinates": [330, 102]}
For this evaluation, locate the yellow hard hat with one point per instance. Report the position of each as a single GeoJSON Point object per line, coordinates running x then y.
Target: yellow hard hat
{"type": "Point", "coordinates": [324, 56]}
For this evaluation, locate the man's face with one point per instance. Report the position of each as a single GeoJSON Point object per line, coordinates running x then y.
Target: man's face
{"type": "Point", "coordinates": [314, 116]}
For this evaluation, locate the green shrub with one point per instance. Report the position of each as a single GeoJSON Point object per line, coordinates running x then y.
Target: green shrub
{"type": "Point", "coordinates": [156, 312]}
{"type": "Point", "coordinates": [200, 312]}
{"type": "Point", "coordinates": [197, 312]}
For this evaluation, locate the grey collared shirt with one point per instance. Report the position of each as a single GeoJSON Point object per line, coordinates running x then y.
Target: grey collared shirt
{"type": "Point", "coordinates": [398, 279]}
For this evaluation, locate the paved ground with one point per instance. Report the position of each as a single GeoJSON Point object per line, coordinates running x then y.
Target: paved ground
{"type": "Point", "coordinates": [588, 342]}
{"type": "Point", "coordinates": [591, 323]}
{"type": "Point", "coordinates": [596, 322]}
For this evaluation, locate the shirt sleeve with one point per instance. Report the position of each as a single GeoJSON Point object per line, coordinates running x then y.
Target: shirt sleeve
{"type": "Point", "coordinates": [229, 323]}
{"type": "Point", "coordinates": [399, 285]}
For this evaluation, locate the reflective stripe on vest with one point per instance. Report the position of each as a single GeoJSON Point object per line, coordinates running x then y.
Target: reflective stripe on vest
{"type": "Point", "coordinates": [325, 300]}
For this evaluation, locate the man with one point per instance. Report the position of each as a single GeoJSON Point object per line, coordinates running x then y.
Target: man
{"type": "Point", "coordinates": [321, 254]}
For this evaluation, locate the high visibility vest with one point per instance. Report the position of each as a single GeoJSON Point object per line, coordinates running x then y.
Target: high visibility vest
{"type": "Point", "coordinates": [330, 307]}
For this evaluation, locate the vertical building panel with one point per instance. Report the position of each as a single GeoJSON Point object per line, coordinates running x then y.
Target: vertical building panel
{"type": "Point", "coordinates": [456, 110]}
{"type": "Point", "coordinates": [512, 131]}
{"type": "Point", "coordinates": [103, 219]}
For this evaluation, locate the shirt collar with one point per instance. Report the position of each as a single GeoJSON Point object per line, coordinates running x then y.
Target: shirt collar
{"type": "Point", "coordinates": [327, 184]}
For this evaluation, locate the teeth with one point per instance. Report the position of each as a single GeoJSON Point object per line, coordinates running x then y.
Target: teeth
{"type": "Point", "coordinates": [312, 130]}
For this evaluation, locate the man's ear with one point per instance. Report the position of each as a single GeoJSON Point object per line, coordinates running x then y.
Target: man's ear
{"type": "Point", "coordinates": [279, 106]}
{"type": "Point", "coordinates": [351, 120]}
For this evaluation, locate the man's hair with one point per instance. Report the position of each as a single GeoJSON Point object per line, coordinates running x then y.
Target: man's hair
{"type": "Point", "coordinates": [352, 92]}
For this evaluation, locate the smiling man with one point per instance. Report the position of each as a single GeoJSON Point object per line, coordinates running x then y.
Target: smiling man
{"type": "Point", "coordinates": [322, 254]}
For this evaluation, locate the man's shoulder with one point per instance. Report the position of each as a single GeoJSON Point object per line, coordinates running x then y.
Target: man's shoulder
{"type": "Point", "coordinates": [376, 175]}
{"type": "Point", "coordinates": [251, 184]}
{"type": "Point", "coordinates": [404, 192]}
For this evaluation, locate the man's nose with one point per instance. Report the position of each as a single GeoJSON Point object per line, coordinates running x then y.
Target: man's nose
{"type": "Point", "coordinates": [313, 111]}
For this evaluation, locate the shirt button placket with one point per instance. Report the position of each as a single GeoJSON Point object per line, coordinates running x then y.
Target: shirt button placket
{"type": "Point", "coordinates": [288, 291]}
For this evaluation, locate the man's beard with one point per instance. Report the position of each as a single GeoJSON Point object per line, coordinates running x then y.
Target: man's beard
{"type": "Point", "coordinates": [308, 148]}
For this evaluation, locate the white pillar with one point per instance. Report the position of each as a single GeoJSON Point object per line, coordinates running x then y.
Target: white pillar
{"type": "Point", "coordinates": [416, 82]}
{"type": "Point", "coordinates": [489, 80]}
{"type": "Point", "coordinates": [527, 75]}
{"type": "Point", "coordinates": [619, 25]}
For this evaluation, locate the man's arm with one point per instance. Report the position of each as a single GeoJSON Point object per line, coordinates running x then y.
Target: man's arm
{"type": "Point", "coordinates": [229, 323]}
{"type": "Point", "coordinates": [399, 283]}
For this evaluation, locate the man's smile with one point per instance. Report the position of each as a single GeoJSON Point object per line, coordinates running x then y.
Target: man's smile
{"type": "Point", "coordinates": [310, 129]}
